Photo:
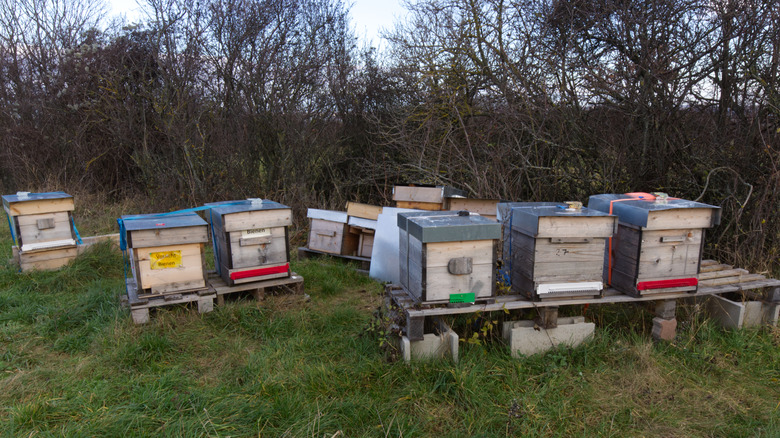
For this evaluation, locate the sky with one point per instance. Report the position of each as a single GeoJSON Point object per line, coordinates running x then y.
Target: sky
{"type": "Point", "coordinates": [369, 17]}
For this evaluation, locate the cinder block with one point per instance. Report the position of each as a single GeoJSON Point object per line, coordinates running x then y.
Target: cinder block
{"type": "Point", "coordinates": [664, 329]}
{"type": "Point", "coordinates": [430, 347]}
{"type": "Point", "coordinates": [666, 309]}
{"type": "Point", "coordinates": [736, 314]}
{"type": "Point", "coordinates": [527, 338]}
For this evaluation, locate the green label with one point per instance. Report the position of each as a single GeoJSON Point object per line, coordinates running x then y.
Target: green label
{"type": "Point", "coordinates": [462, 298]}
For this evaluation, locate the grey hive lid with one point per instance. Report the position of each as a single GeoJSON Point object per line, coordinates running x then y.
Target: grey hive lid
{"type": "Point", "coordinates": [228, 207]}
{"type": "Point", "coordinates": [448, 226]}
{"type": "Point", "coordinates": [636, 211]}
{"type": "Point", "coordinates": [504, 208]}
{"type": "Point", "coordinates": [526, 220]}
{"type": "Point", "coordinates": [156, 221]}
{"type": "Point", "coordinates": [8, 199]}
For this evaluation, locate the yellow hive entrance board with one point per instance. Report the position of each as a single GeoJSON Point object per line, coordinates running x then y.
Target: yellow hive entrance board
{"type": "Point", "coordinates": [165, 260]}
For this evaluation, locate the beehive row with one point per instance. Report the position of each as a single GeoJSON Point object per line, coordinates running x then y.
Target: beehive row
{"type": "Point", "coordinates": [640, 244]}
{"type": "Point", "coordinates": [250, 242]}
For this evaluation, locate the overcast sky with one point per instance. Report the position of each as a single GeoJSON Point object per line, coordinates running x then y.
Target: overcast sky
{"type": "Point", "coordinates": [368, 16]}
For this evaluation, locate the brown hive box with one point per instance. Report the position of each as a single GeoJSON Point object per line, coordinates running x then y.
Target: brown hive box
{"type": "Point", "coordinates": [251, 240]}
{"type": "Point", "coordinates": [658, 245]}
{"type": "Point", "coordinates": [557, 251]}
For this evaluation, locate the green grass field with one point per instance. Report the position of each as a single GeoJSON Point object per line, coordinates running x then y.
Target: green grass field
{"type": "Point", "coordinates": [74, 364]}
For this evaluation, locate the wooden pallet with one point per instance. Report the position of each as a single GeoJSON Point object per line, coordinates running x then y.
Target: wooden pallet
{"type": "Point", "coordinates": [293, 283]}
{"type": "Point", "coordinates": [139, 307]}
{"type": "Point", "coordinates": [365, 262]}
{"type": "Point", "coordinates": [720, 279]}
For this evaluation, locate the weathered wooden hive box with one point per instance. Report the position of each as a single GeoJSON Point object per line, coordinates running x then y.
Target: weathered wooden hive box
{"type": "Point", "coordinates": [41, 225]}
{"type": "Point", "coordinates": [166, 252]}
{"type": "Point", "coordinates": [658, 246]}
{"type": "Point", "coordinates": [329, 232]}
{"type": "Point", "coordinates": [483, 207]}
{"type": "Point", "coordinates": [425, 198]}
{"type": "Point", "coordinates": [447, 256]}
{"type": "Point", "coordinates": [251, 240]}
{"type": "Point", "coordinates": [362, 222]}
{"type": "Point", "coordinates": [504, 217]}
{"type": "Point", "coordinates": [558, 251]}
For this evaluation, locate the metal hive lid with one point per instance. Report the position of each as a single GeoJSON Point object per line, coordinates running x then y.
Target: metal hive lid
{"type": "Point", "coordinates": [526, 220]}
{"type": "Point", "coordinates": [158, 221]}
{"type": "Point", "coordinates": [228, 207]}
{"type": "Point", "coordinates": [7, 199]}
{"type": "Point", "coordinates": [503, 209]}
{"type": "Point", "coordinates": [448, 226]}
{"type": "Point", "coordinates": [635, 211]}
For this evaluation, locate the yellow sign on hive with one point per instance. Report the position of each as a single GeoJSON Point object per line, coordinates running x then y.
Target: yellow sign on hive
{"type": "Point", "coordinates": [165, 259]}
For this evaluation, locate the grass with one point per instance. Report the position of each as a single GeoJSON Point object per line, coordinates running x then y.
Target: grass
{"type": "Point", "coordinates": [72, 363]}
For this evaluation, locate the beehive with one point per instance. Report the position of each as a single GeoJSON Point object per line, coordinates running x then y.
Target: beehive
{"type": "Point", "coordinates": [330, 232]}
{"type": "Point", "coordinates": [558, 251]}
{"type": "Point", "coordinates": [251, 240]}
{"type": "Point", "coordinates": [365, 230]}
{"type": "Point", "coordinates": [41, 225]}
{"type": "Point", "coordinates": [447, 256]}
{"type": "Point", "coordinates": [166, 252]}
{"type": "Point", "coordinates": [659, 242]}
{"type": "Point", "coordinates": [425, 197]}
{"type": "Point", "coordinates": [504, 217]}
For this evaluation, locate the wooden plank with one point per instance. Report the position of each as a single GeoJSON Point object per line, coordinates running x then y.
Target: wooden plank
{"type": "Point", "coordinates": [708, 262]}
{"type": "Point", "coordinates": [366, 245]}
{"type": "Point", "coordinates": [251, 220]}
{"type": "Point", "coordinates": [714, 267]}
{"type": "Point", "coordinates": [418, 194]}
{"type": "Point", "coordinates": [365, 211]}
{"type": "Point", "coordinates": [168, 236]}
{"type": "Point", "coordinates": [679, 218]}
{"type": "Point", "coordinates": [723, 273]}
{"type": "Point", "coordinates": [40, 207]}
{"type": "Point", "coordinates": [599, 226]}
{"type": "Point", "coordinates": [732, 280]}
{"type": "Point", "coordinates": [548, 252]}
{"type": "Point", "coordinates": [429, 206]}
{"type": "Point", "coordinates": [671, 261]}
{"type": "Point", "coordinates": [188, 275]}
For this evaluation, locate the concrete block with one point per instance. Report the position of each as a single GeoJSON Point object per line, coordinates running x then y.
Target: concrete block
{"type": "Point", "coordinates": [738, 314]}
{"type": "Point", "coordinates": [664, 329]}
{"type": "Point", "coordinates": [665, 309]}
{"type": "Point", "coordinates": [430, 347]}
{"type": "Point", "coordinates": [527, 338]}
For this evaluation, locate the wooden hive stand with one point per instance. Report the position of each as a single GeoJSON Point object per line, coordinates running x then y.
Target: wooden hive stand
{"type": "Point", "coordinates": [139, 307]}
{"type": "Point", "coordinates": [293, 283]}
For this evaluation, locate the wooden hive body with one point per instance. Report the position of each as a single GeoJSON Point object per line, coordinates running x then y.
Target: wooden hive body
{"type": "Point", "coordinates": [365, 230]}
{"type": "Point", "coordinates": [251, 240]}
{"type": "Point", "coordinates": [166, 252]}
{"type": "Point", "coordinates": [41, 223]}
{"type": "Point", "coordinates": [425, 197]}
{"type": "Point", "coordinates": [483, 207]}
{"type": "Point", "coordinates": [558, 253]}
{"type": "Point", "coordinates": [658, 246]}
{"type": "Point", "coordinates": [443, 255]}
{"type": "Point", "coordinates": [329, 232]}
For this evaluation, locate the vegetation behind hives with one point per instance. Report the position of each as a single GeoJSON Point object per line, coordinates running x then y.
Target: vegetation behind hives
{"type": "Point", "coordinates": [540, 101]}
